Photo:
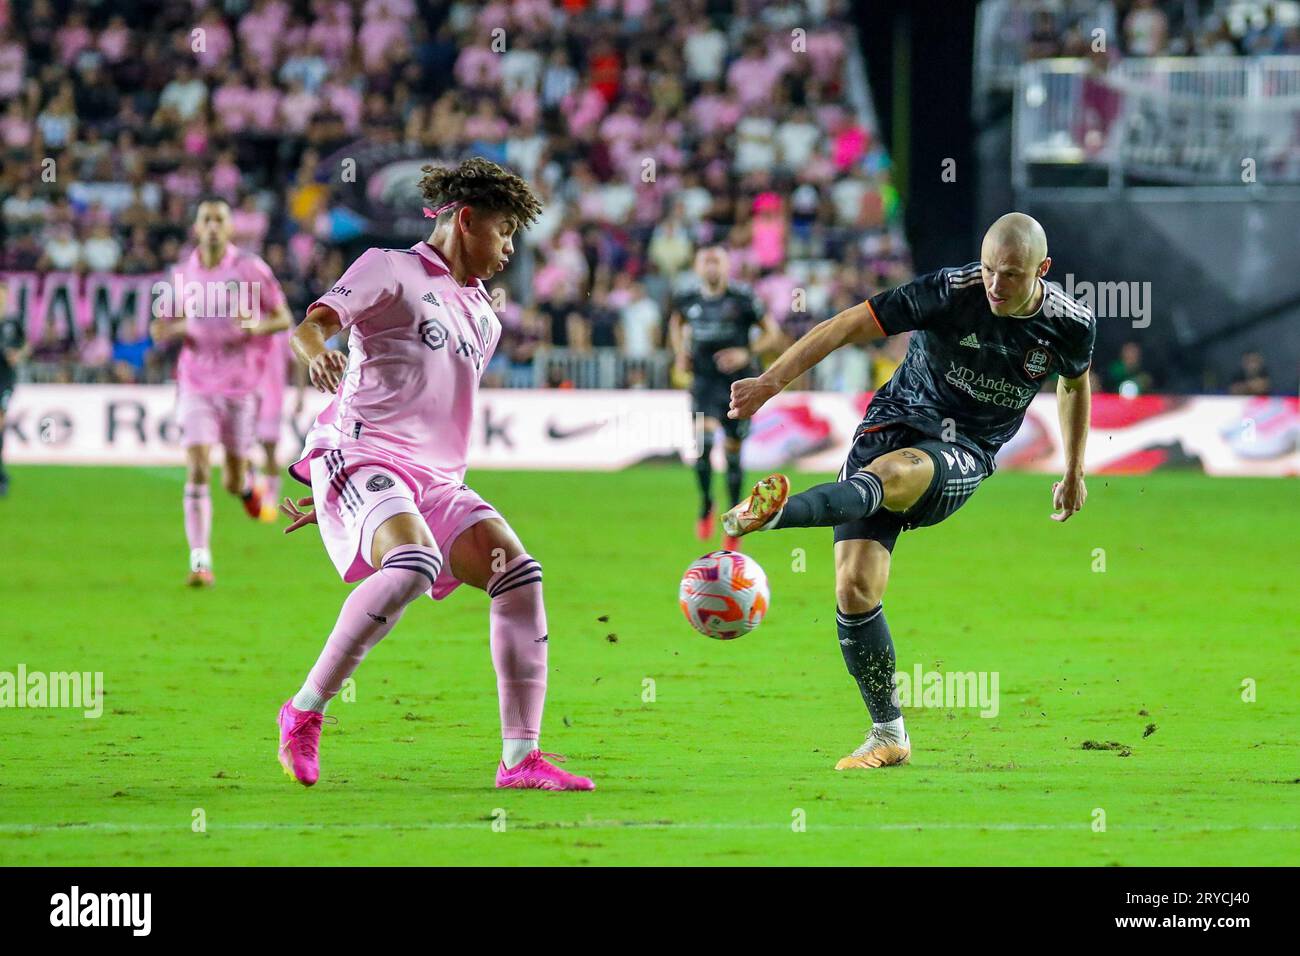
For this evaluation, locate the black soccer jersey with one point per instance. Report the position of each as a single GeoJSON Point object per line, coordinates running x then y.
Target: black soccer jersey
{"type": "Point", "coordinates": [11, 337]}
{"type": "Point", "coordinates": [719, 322]}
{"type": "Point", "coordinates": [969, 366]}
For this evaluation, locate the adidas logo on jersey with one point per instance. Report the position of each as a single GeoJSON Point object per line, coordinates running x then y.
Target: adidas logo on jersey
{"type": "Point", "coordinates": [430, 298]}
{"type": "Point", "coordinates": [970, 341]}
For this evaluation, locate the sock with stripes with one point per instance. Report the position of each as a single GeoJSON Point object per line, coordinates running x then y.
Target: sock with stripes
{"type": "Point", "coordinates": [735, 477]}
{"type": "Point", "coordinates": [704, 476]}
{"type": "Point", "coordinates": [869, 655]}
{"type": "Point", "coordinates": [517, 626]}
{"type": "Point", "coordinates": [834, 503]}
{"type": "Point", "coordinates": [368, 614]}
{"type": "Point", "coordinates": [198, 516]}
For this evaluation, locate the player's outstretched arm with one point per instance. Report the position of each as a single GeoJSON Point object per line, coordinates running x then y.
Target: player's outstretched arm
{"type": "Point", "coordinates": [1074, 408]}
{"type": "Point", "coordinates": [279, 321]}
{"type": "Point", "coordinates": [853, 325]}
{"type": "Point", "coordinates": [164, 330]}
{"type": "Point", "coordinates": [325, 366]}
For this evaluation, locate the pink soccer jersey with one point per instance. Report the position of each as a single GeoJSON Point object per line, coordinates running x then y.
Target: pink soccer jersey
{"type": "Point", "coordinates": [417, 346]}
{"type": "Point", "coordinates": [219, 357]}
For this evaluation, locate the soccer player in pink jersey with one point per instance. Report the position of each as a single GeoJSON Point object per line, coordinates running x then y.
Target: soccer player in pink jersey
{"type": "Point", "coordinates": [225, 300]}
{"type": "Point", "coordinates": [386, 462]}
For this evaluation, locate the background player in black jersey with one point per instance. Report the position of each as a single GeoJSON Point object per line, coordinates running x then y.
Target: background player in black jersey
{"type": "Point", "coordinates": [13, 352]}
{"type": "Point", "coordinates": [711, 330]}
{"type": "Point", "coordinates": [986, 336]}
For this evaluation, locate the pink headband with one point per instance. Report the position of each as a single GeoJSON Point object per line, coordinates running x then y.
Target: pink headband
{"type": "Point", "coordinates": [435, 213]}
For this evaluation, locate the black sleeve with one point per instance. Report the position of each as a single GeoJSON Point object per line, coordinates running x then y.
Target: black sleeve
{"type": "Point", "coordinates": [676, 303]}
{"type": "Point", "coordinates": [756, 309]}
{"type": "Point", "coordinates": [918, 304]}
{"type": "Point", "coordinates": [1076, 355]}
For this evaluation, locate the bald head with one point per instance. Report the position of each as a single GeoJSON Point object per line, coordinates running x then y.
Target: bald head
{"type": "Point", "coordinates": [1014, 257]}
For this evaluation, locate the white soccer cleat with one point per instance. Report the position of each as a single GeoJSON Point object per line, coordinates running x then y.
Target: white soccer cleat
{"type": "Point", "coordinates": [767, 498]}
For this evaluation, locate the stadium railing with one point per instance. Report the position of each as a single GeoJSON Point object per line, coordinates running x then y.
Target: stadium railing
{"type": "Point", "coordinates": [1162, 121]}
{"type": "Point", "coordinates": [591, 368]}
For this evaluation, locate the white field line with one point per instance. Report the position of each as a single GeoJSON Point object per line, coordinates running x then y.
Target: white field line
{"type": "Point", "coordinates": [105, 827]}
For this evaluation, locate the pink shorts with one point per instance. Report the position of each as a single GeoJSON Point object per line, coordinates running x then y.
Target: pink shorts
{"type": "Point", "coordinates": [217, 419]}
{"type": "Point", "coordinates": [270, 408]}
{"type": "Point", "coordinates": [354, 492]}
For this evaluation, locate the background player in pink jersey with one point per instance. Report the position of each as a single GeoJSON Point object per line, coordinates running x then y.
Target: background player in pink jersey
{"type": "Point", "coordinates": [386, 461]}
{"type": "Point", "coordinates": [225, 301]}
{"type": "Point", "coordinates": [270, 413]}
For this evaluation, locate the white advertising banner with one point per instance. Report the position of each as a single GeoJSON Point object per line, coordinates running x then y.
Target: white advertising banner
{"type": "Point", "coordinates": [605, 430]}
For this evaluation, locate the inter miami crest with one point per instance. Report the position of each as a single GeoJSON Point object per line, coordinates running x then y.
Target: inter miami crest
{"type": "Point", "coordinates": [379, 483]}
{"type": "Point", "coordinates": [1037, 361]}
{"type": "Point", "coordinates": [483, 327]}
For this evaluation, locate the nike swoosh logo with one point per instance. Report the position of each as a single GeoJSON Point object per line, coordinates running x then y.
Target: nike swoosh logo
{"type": "Point", "coordinates": [560, 434]}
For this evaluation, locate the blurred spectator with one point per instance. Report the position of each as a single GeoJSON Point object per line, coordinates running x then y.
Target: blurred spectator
{"type": "Point", "coordinates": [1252, 376]}
{"type": "Point", "coordinates": [1127, 375]}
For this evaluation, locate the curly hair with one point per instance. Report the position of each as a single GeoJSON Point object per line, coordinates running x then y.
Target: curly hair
{"type": "Point", "coordinates": [481, 183]}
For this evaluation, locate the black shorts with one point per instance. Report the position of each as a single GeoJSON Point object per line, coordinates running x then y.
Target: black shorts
{"type": "Point", "coordinates": [711, 397]}
{"type": "Point", "coordinates": [957, 473]}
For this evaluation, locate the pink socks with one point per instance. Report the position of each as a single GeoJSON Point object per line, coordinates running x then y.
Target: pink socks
{"type": "Point", "coordinates": [518, 636]}
{"type": "Point", "coordinates": [368, 614]}
{"type": "Point", "coordinates": [198, 516]}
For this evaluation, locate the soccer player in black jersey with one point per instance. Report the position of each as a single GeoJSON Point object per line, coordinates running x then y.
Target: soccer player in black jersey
{"type": "Point", "coordinates": [710, 329]}
{"type": "Point", "coordinates": [14, 349]}
{"type": "Point", "coordinates": [986, 335]}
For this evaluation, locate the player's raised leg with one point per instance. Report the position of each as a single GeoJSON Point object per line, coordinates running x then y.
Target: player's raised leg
{"type": "Point", "coordinates": [488, 555]}
{"type": "Point", "coordinates": [239, 477]}
{"type": "Point", "coordinates": [861, 573]}
{"type": "Point", "coordinates": [895, 481]}
{"type": "Point", "coordinates": [198, 515]}
{"type": "Point", "coordinates": [408, 563]}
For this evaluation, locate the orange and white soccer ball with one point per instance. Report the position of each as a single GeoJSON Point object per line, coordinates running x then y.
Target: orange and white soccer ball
{"type": "Point", "coordinates": [724, 595]}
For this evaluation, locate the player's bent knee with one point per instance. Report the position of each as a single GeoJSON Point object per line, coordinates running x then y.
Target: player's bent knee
{"type": "Point", "coordinates": [403, 528]}
{"type": "Point", "coordinates": [858, 596]}
{"type": "Point", "coordinates": [483, 551]}
{"type": "Point", "coordinates": [413, 569]}
{"type": "Point", "coordinates": [861, 575]}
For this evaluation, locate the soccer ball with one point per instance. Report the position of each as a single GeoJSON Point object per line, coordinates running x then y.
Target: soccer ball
{"type": "Point", "coordinates": [724, 595]}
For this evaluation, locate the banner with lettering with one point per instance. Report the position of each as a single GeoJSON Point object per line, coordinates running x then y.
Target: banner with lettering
{"type": "Point", "coordinates": [586, 430]}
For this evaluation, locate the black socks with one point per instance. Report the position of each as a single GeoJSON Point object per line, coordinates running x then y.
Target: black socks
{"type": "Point", "coordinates": [834, 503]}
{"type": "Point", "coordinates": [869, 655]}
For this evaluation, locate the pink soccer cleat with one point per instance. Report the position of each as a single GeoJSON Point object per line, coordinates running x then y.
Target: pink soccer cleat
{"type": "Point", "coordinates": [534, 772]}
{"type": "Point", "coordinates": [300, 742]}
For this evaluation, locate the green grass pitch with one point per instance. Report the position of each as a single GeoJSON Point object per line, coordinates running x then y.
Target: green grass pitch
{"type": "Point", "coordinates": [731, 761]}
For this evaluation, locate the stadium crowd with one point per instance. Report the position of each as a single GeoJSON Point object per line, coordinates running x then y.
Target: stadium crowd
{"type": "Point", "coordinates": [649, 127]}
{"type": "Point", "coordinates": [145, 107]}
{"type": "Point", "coordinates": [1064, 28]}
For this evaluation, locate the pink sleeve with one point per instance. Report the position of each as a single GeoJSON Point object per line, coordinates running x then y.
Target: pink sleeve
{"type": "Point", "coordinates": [272, 294]}
{"type": "Point", "coordinates": [366, 287]}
